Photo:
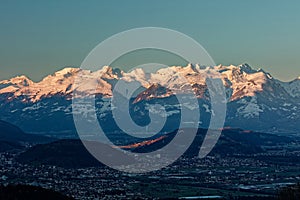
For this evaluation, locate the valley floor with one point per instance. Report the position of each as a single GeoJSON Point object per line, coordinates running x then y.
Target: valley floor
{"type": "Point", "coordinates": [231, 177]}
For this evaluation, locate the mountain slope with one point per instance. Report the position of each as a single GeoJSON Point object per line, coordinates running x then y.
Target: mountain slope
{"type": "Point", "coordinates": [13, 136]}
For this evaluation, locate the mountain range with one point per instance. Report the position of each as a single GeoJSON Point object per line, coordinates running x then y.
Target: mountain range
{"type": "Point", "coordinates": [255, 99]}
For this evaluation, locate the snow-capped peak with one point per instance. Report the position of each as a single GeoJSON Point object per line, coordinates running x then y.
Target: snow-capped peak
{"type": "Point", "coordinates": [292, 87]}
{"type": "Point", "coordinates": [246, 68]}
{"type": "Point", "coordinates": [67, 70]}
{"type": "Point", "coordinates": [18, 81]}
{"type": "Point", "coordinates": [190, 68]}
{"type": "Point", "coordinates": [109, 72]}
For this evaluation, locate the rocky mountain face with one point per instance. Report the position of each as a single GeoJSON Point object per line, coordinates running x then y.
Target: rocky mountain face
{"type": "Point", "coordinates": [255, 100]}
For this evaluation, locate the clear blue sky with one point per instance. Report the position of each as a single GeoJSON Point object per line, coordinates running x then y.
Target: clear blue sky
{"type": "Point", "coordinates": [40, 37]}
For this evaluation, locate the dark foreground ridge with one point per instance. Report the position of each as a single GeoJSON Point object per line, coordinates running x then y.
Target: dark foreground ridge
{"type": "Point", "coordinates": [26, 192]}
{"type": "Point", "coordinates": [13, 138]}
{"type": "Point", "coordinates": [62, 153]}
{"type": "Point", "coordinates": [73, 154]}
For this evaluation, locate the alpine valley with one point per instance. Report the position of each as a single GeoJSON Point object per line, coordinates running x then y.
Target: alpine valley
{"type": "Point", "coordinates": [255, 100]}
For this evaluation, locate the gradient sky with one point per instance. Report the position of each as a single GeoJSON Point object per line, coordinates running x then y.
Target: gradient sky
{"type": "Point", "coordinates": [39, 37]}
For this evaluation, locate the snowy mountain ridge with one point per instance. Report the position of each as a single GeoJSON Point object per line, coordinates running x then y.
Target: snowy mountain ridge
{"type": "Point", "coordinates": [255, 100]}
{"type": "Point", "coordinates": [240, 81]}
